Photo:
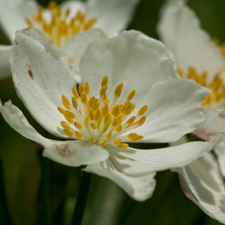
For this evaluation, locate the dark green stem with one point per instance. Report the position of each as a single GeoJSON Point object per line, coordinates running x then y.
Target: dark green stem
{"type": "Point", "coordinates": [44, 193]}
{"type": "Point", "coordinates": [81, 198]}
{"type": "Point", "coordinates": [4, 214]}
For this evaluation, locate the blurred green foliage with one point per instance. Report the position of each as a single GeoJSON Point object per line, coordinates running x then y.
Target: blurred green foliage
{"type": "Point", "coordinates": [38, 191]}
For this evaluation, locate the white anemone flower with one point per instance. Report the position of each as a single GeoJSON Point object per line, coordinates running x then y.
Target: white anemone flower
{"type": "Point", "coordinates": [60, 23]}
{"type": "Point", "coordinates": [130, 92]}
{"type": "Point", "coordinates": [200, 59]}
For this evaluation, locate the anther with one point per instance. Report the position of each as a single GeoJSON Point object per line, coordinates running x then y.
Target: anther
{"type": "Point", "coordinates": [68, 132]}
{"type": "Point", "coordinates": [103, 90]}
{"type": "Point", "coordinates": [138, 138]}
{"type": "Point", "coordinates": [131, 120]}
{"type": "Point", "coordinates": [102, 143]}
{"type": "Point", "coordinates": [105, 110]}
{"type": "Point", "coordinates": [108, 135]}
{"type": "Point", "coordinates": [98, 115]}
{"type": "Point", "coordinates": [65, 125]}
{"type": "Point", "coordinates": [93, 126]}
{"type": "Point", "coordinates": [70, 114]}
{"type": "Point", "coordinates": [74, 102]}
{"type": "Point", "coordinates": [61, 110]}
{"type": "Point", "coordinates": [118, 90]}
{"type": "Point", "coordinates": [78, 135]}
{"type": "Point", "coordinates": [92, 140]}
{"type": "Point", "coordinates": [78, 125]}
{"type": "Point", "coordinates": [104, 81]}
{"type": "Point", "coordinates": [75, 93]}
{"type": "Point", "coordinates": [86, 88]}
{"type": "Point", "coordinates": [80, 88]}
{"type": "Point", "coordinates": [132, 135]}
{"type": "Point", "coordinates": [84, 97]}
{"type": "Point", "coordinates": [116, 141]}
{"type": "Point", "coordinates": [116, 110]}
{"type": "Point", "coordinates": [65, 100]}
{"type": "Point", "coordinates": [141, 121]}
{"type": "Point", "coordinates": [119, 128]}
{"type": "Point", "coordinates": [69, 119]}
{"type": "Point", "coordinates": [131, 95]}
{"type": "Point", "coordinates": [142, 110]}
{"type": "Point", "coordinates": [122, 145]}
{"type": "Point", "coordinates": [91, 115]}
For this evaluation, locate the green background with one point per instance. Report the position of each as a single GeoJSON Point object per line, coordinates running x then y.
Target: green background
{"type": "Point", "coordinates": [39, 191]}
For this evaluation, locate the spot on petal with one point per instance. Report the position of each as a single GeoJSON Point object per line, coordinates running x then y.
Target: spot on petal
{"type": "Point", "coordinates": [64, 150]}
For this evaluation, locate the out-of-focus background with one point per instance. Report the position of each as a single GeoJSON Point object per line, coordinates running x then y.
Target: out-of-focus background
{"type": "Point", "coordinates": [39, 191]}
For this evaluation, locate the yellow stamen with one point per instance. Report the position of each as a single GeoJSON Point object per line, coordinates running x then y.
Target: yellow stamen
{"type": "Point", "coordinates": [68, 133]}
{"type": "Point", "coordinates": [78, 135]}
{"type": "Point", "coordinates": [104, 81]}
{"type": "Point", "coordinates": [108, 135]}
{"type": "Point", "coordinates": [92, 140]}
{"type": "Point", "coordinates": [78, 125]}
{"type": "Point", "coordinates": [116, 141]}
{"type": "Point", "coordinates": [61, 110]}
{"type": "Point", "coordinates": [122, 145]}
{"type": "Point", "coordinates": [102, 143]}
{"type": "Point", "coordinates": [84, 98]}
{"type": "Point", "coordinates": [142, 110]}
{"type": "Point", "coordinates": [131, 95]}
{"type": "Point", "coordinates": [81, 88]}
{"type": "Point", "coordinates": [86, 88]}
{"type": "Point", "coordinates": [118, 90]}
{"type": "Point", "coordinates": [65, 125]}
{"type": "Point", "coordinates": [138, 138]}
{"type": "Point", "coordinates": [75, 93]}
{"type": "Point", "coordinates": [93, 126]}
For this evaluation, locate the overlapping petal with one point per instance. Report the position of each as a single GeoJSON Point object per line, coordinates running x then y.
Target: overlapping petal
{"type": "Point", "coordinates": [76, 46]}
{"type": "Point", "coordinates": [132, 161]}
{"type": "Point", "coordinates": [127, 58]}
{"type": "Point", "coordinates": [139, 187]}
{"type": "Point", "coordinates": [112, 16]}
{"type": "Point", "coordinates": [15, 118]}
{"type": "Point", "coordinates": [41, 76]}
{"type": "Point", "coordinates": [13, 14]}
{"type": "Point", "coordinates": [76, 153]}
{"type": "Point", "coordinates": [173, 110]}
{"type": "Point", "coordinates": [180, 30]}
{"type": "Point", "coordinates": [202, 182]}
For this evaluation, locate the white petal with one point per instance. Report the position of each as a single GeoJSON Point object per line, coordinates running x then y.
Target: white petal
{"type": "Point", "coordinates": [112, 16]}
{"type": "Point", "coordinates": [74, 7]}
{"type": "Point", "coordinates": [41, 76]}
{"type": "Point", "coordinates": [215, 124]}
{"type": "Point", "coordinates": [76, 153]}
{"type": "Point", "coordinates": [130, 58]}
{"type": "Point", "coordinates": [173, 110]}
{"type": "Point", "coordinates": [139, 188]}
{"type": "Point", "coordinates": [76, 46]}
{"type": "Point", "coordinates": [132, 161]}
{"type": "Point", "coordinates": [4, 61]}
{"type": "Point", "coordinates": [202, 183]}
{"type": "Point", "coordinates": [13, 14]}
{"type": "Point", "coordinates": [220, 152]}
{"type": "Point", "coordinates": [180, 30]}
{"type": "Point", "coordinates": [15, 118]}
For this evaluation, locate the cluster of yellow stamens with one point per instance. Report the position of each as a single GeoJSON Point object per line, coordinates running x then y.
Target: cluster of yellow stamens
{"type": "Point", "coordinates": [97, 121]}
{"type": "Point", "coordinates": [216, 86]}
{"type": "Point", "coordinates": [62, 25]}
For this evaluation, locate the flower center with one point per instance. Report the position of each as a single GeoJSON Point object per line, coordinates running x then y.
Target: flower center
{"type": "Point", "coordinates": [97, 121]}
{"type": "Point", "coordinates": [216, 86]}
{"type": "Point", "coordinates": [61, 26]}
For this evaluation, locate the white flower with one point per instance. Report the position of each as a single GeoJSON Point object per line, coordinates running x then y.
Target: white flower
{"type": "Point", "coordinates": [116, 73]}
{"type": "Point", "coordinates": [59, 24]}
{"type": "Point", "coordinates": [200, 59]}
